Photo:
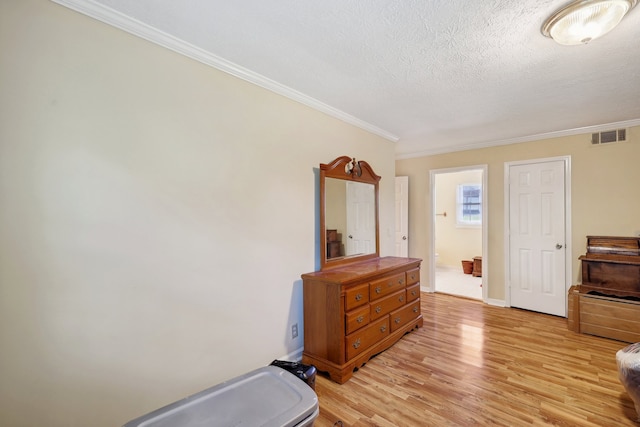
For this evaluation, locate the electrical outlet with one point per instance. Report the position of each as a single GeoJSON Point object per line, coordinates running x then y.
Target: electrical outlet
{"type": "Point", "coordinates": [294, 331]}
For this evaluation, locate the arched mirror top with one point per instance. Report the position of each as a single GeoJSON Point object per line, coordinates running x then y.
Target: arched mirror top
{"type": "Point", "coordinates": [349, 225]}
{"type": "Point", "coordinates": [349, 168]}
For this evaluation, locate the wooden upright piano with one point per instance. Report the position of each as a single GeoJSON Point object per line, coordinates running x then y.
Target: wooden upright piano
{"type": "Point", "coordinates": [607, 302]}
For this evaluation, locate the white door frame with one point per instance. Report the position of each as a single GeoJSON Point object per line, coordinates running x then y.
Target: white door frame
{"type": "Point", "coordinates": [485, 225]}
{"type": "Point", "coordinates": [402, 219]}
{"type": "Point", "coordinates": [567, 222]}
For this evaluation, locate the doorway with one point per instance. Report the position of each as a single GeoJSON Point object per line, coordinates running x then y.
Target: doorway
{"type": "Point", "coordinates": [537, 199]}
{"type": "Point", "coordinates": [459, 231]}
{"type": "Point", "coordinates": [402, 216]}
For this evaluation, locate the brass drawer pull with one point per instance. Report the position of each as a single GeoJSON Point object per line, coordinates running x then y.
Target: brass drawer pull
{"type": "Point", "coordinates": [360, 319]}
{"type": "Point", "coordinates": [383, 328]}
{"type": "Point", "coordinates": [401, 298]}
{"type": "Point", "coordinates": [401, 282]}
{"type": "Point", "coordinates": [415, 309]}
{"type": "Point", "coordinates": [413, 293]}
{"type": "Point", "coordinates": [413, 277]}
{"type": "Point", "coordinates": [378, 309]}
{"type": "Point", "coordinates": [357, 343]}
{"type": "Point", "coordinates": [358, 297]}
{"type": "Point", "coordinates": [397, 320]}
{"type": "Point", "coordinates": [378, 289]}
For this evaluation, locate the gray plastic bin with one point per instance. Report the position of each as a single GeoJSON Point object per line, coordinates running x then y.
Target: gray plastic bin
{"type": "Point", "coordinates": [269, 396]}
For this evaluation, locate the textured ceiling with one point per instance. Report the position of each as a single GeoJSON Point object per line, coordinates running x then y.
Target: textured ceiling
{"type": "Point", "coordinates": [437, 75]}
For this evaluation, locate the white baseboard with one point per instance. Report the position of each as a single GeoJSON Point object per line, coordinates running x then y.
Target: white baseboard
{"type": "Point", "coordinates": [496, 302]}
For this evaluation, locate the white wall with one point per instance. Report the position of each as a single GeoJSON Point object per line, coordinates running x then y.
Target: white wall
{"type": "Point", "coordinates": [155, 217]}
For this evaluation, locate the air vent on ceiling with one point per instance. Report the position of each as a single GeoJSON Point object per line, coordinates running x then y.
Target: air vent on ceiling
{"type": "Point", "coordinates": [608, 136]}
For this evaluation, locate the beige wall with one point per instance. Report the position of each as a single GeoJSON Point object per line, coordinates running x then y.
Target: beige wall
{"type": "Point", "coordinates": [454, 243]}
{"type": "Point", "coordinates": [603, 185]}
{"type": "Point", "coordinates": [155, 217]}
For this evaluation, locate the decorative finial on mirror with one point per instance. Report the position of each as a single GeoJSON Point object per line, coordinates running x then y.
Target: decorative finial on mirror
{"type": "Point", "coordinates": [353, 167]}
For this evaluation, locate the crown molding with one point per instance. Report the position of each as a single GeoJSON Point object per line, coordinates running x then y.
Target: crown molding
{"type": "Point", "coordinates": [119, 20]}
{"type": "Point", "coordinates": [529, 138]}
{"type": "Point", "coordinates": [116, 19]}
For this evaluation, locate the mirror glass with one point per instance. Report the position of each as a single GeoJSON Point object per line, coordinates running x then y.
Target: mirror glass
{"type": "Point", "coordinates": [349, 212]}
{"type": "Point", "coordinates": [350, 219]}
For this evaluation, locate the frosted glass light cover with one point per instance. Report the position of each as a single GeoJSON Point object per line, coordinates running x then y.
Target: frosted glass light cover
{"type": "Point", "coordinates": [583, 21]}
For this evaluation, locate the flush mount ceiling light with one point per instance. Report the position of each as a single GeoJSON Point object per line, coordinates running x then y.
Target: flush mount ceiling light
{"type": "Point", "coordinates": [581, 21]}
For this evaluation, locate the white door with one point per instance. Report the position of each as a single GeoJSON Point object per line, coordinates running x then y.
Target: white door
{"type": "Point", "coordinates": [361, 226]}
{"type": "Point", "coordinates": [537, 259]}
{"type": "Point", "coordinates": [402, 216]}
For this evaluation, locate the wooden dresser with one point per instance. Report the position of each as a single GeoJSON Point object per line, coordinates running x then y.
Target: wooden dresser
{"type": "Point", "coordinates": [355, 311]}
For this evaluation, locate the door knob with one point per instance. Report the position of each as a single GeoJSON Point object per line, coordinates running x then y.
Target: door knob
{"type": "Point", "coordinates": [558, 246]}
{"type": "Point", "coordinates": [404, 237]}
{"type": "Point", "coordinates": [350, 236]}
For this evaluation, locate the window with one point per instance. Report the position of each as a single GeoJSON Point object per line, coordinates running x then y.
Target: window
{"type": "Point", "coordinates": [469, 205]}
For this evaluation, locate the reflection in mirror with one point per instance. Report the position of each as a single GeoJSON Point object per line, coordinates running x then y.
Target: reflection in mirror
{"type": "Point", "coordinates": [349, 218]}
{"type": "Point", "coordinates": [348, 212]}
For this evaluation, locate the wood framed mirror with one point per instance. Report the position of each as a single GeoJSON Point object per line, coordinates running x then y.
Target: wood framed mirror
{"type": "Point", "coordinates": [349, 223]}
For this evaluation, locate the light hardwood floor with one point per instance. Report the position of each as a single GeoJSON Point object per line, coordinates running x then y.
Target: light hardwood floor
{"type": "Point", "coordinates": [474, 364]}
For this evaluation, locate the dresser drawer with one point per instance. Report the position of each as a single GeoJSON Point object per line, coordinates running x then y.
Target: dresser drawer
{"type": "Point", "coordinates": [404, 315]}
{"type": "Point", "coordinates": [356, 319]}
{"type": "Point", "coordinates": [413, 292]}
{"type": "Point", "coordinates": [356, 296]}
{"type": "Point", "coordinates": [383, 306]}
{"type": "Point", "coordinates": [386, 286]}
{"type": "Point", "coordinates": [364, 338]}
{"type": "Point", "coordinates": [413, 276]}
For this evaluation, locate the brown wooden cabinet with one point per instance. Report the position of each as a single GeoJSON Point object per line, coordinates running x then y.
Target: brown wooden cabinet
{"type": "Point", "coordinates": [477, 266]}
{"type": "Point", "coordinates": [355, 311]}
{"type": "Point", "coordinates": [607, 302]}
